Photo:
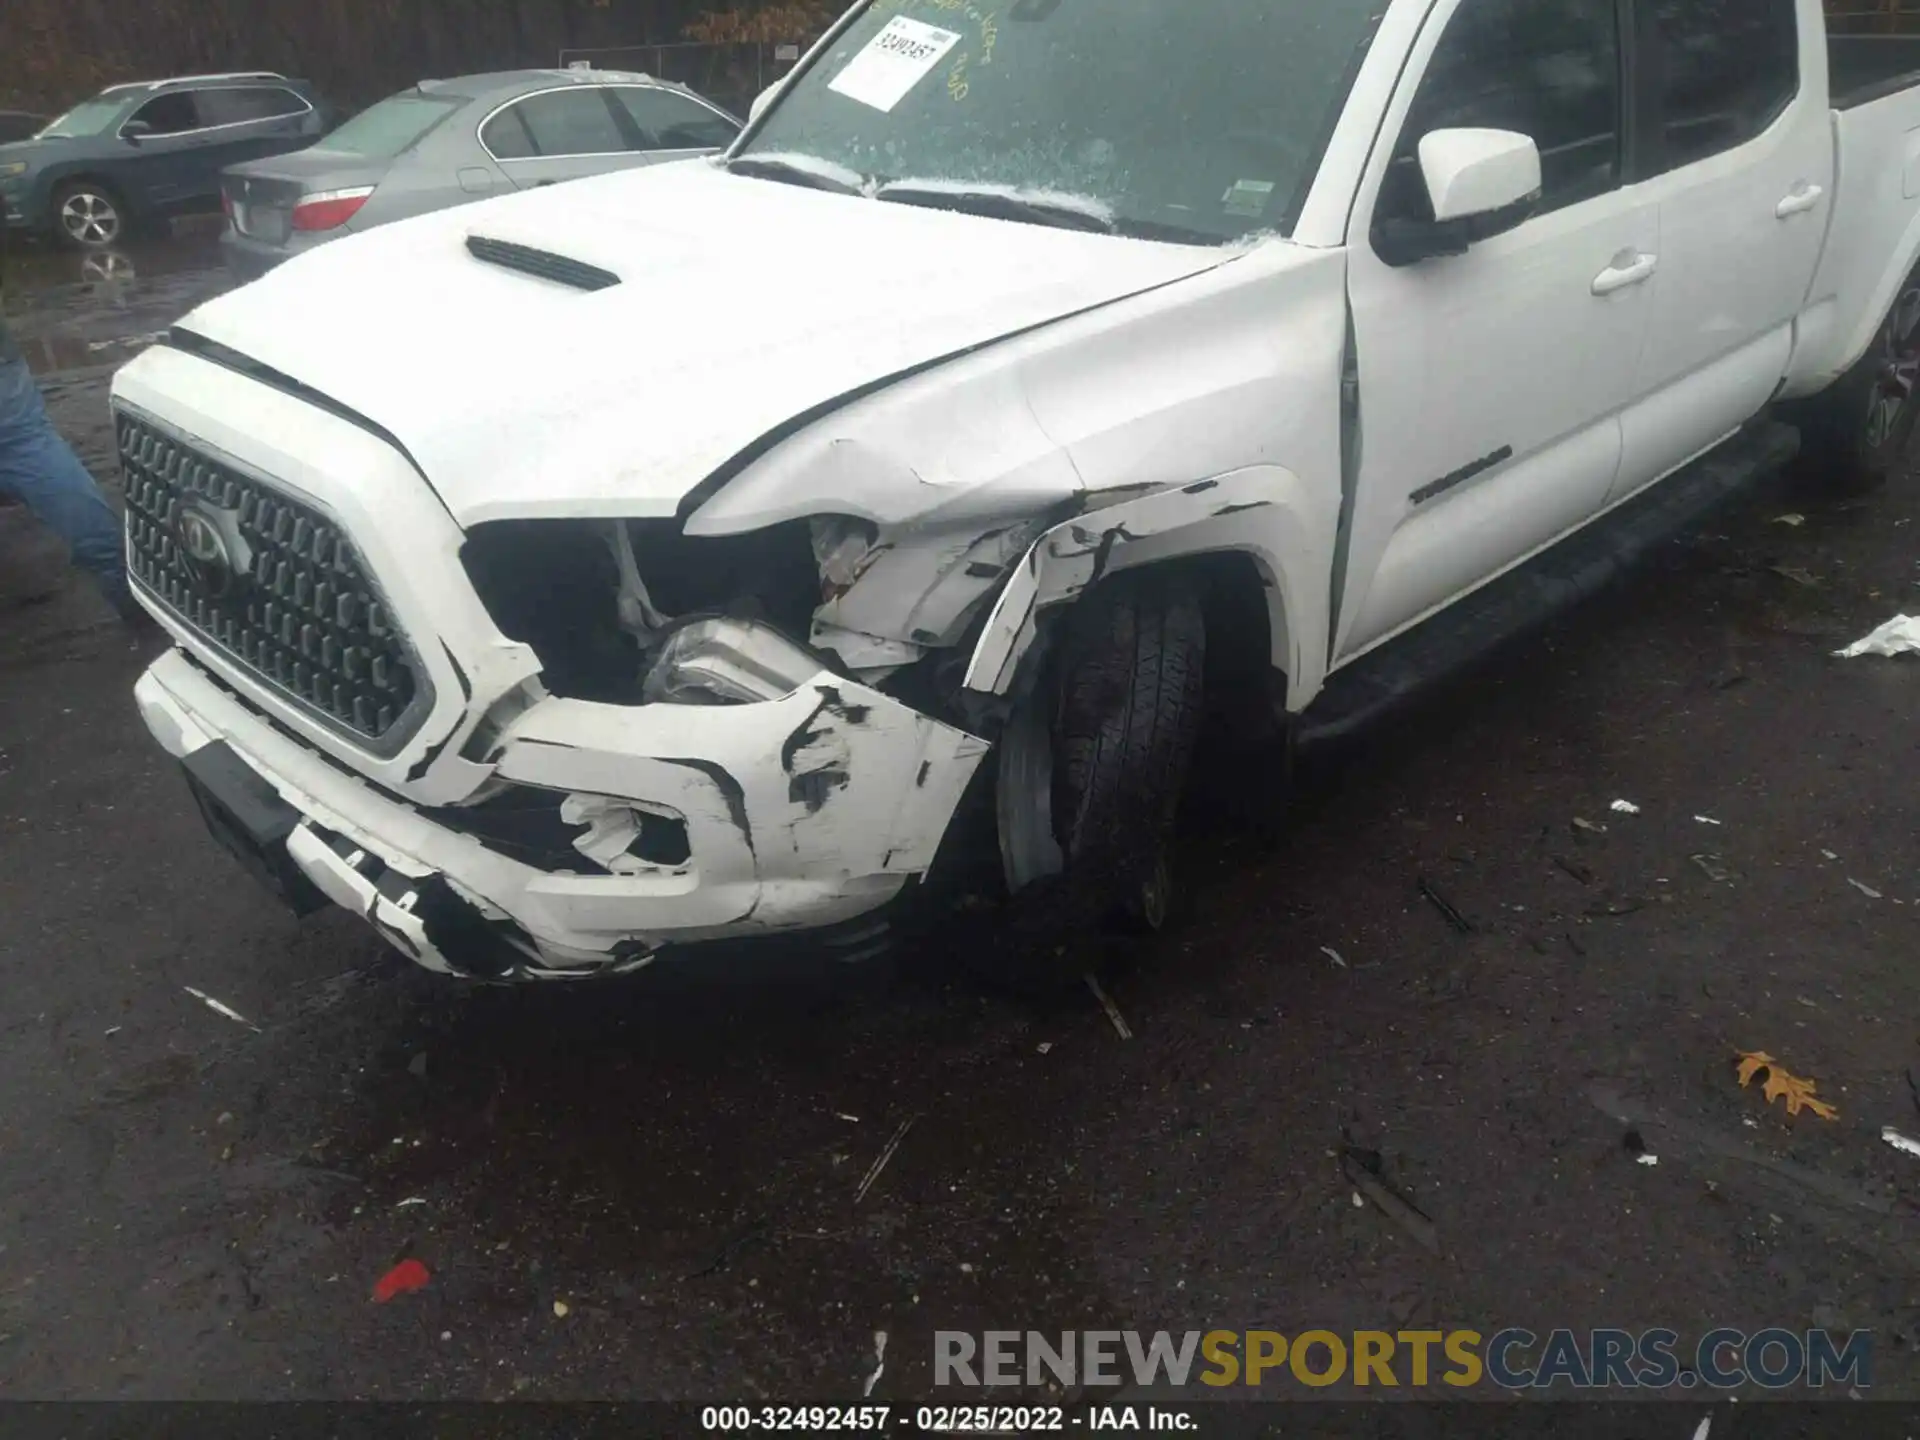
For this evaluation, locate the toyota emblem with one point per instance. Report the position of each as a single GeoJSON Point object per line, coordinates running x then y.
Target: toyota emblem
{"type": "Point", "coordinates": [205, 552]}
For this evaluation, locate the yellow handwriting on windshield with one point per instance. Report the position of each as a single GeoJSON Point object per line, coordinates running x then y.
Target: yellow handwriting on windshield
{"type": "Point", "coordinates": [957, 85]}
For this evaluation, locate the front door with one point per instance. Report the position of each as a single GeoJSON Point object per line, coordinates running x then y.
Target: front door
{"type": "Point", "coordinates": [1740, 143]}
{"type": "Point", "coordinates": [1491, 383]}
{"type": "Point", "coordinates": [160, 160]}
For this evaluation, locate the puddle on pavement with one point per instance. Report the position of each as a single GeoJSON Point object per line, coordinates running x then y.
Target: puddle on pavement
{"type": "Point", "coordinates": [77, 312]}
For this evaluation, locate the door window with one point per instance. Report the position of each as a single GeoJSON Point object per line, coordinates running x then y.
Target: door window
{"type": "Point", "coordinates": [1726, 70]}
{"type": "Point", "coordinates": [555, 123]}
{"type": "Point", "coordinates": [241, 106]}
{"type": "Point", "coordinates": [172, 114]}
{"type": "Point", "coordinates": [669, 121]}
{"type": "Point", "coordinates": [1549, 69]}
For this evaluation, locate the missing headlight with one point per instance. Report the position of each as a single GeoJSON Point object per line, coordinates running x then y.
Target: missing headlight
{"type": "Point", "coordinates": [717, 661]}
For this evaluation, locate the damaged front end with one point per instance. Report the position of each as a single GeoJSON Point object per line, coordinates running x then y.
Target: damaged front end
{"type": "Point", "coordinates": [678, 770]}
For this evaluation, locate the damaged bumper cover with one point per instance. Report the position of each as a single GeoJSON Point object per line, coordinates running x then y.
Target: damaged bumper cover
{"type": "Point", "coordinates": [797, 813]}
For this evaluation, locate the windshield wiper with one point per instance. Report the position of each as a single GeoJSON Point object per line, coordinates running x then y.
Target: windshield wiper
{"type": "Point", "coordinates": [1063, 212]}
{"type": "Point", "coordinates": [807, 170]}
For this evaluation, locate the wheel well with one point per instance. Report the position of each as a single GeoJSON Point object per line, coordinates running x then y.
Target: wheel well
{"type": "Point", "coordinates": [1245, 689]}
{"type": "Point", "coordinates": [84, 179]}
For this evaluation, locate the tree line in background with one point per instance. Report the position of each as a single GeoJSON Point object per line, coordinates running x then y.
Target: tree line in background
{"type": "Point", "coordinates": [56, 52]}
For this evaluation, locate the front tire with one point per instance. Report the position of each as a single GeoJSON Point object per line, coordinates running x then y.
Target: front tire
{"type": "Point", "coordinates": [1855, 433]}
{"type": "Point", "coordinates": [88, 216]}
{"type": "Point", "coordinates": [1087, 827]}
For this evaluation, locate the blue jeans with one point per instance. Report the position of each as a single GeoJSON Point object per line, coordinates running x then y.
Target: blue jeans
{"type": "Point", "coordinates": [40, 469]}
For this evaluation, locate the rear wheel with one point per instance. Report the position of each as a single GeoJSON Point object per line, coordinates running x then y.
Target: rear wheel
{"type": "Point", "coordinates": [1092, 768]}
{"type": "Point", "coordinates": [87, 215]}
{"type": "Point", "coordinates": [1854, 434]}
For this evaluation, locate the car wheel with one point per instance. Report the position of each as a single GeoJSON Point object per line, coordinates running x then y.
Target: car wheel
{"type": "Point", "coordinates": [1854, 434]}
{"type": "Point", "coordinates": [88, 216]}
{"type": "Point", "coordinates": [1092, 768]}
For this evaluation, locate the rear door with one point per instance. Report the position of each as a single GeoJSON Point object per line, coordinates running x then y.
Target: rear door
{"type": "Point", "coordinates": [672, 125]}
{"type": "Point", "coordinates": [251, 122]}
{"type": "Point", "coordinates": [1491, 383]}
{"type": "Point", "coordinates": [559, 134]}
{"type": "Point", "coordinates": [1738, 142]}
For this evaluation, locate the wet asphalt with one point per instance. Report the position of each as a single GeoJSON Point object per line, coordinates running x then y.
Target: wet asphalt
{"type": "Point", "coordinates": [651, 1188]}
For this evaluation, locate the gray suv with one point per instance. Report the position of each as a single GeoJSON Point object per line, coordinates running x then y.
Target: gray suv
{"type": "Point", "coordinates": [149, 150]}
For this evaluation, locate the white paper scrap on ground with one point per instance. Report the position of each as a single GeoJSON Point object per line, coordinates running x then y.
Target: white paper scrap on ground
{"type": "Point", "coordinates": [1899, 636]}
{"type": "Point", "coordinates": [894, 61]}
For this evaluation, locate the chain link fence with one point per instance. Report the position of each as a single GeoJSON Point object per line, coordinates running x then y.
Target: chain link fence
{"type": "Point", "coordinates": [729, 75]}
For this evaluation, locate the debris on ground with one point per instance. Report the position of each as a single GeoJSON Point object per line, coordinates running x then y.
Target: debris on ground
{"type": "Point", "coordinates": [843, 1115]}
{"type": "Point", "coordinates": [873, 1171]}
{"type": "Point", "coordinates": [561, 1310]}
{"type": "Point", "coordinates": [1363, 1168]}
{"type": "Point", "coordinates": [417, 1066]}
{"type": "Point", "coordinates": [1797, 575]}
{"type": "Point", "coordinates": [1865, 889]}
{"type": "Point", "coordinates": [879, 1362]}
{"type": "Point", "coordinates": [1781, 1084]}
{"type": "Point", "coordinates": [1587, 827]}
{"type": "Point", "coordinates": [1044, 1046]}
{"type": "Point", "coordinates": [1120, 1026]}
{"type": "Point", "coordinates": [1648, 1159]}
{"type": "Point", "coordinates": [1333, 955]}
{"type": "Point", "coordinates": [1904, 1143]}
{"type": "Point", "coordinates": [402, 1279]}
{"type": "Point", "coordinates": [1706, 820]}
{"type": "Point", "coordinates": [220, 1008]}
{"type": "Point", "coordinates": [1445, 906]}
{"type": "Point", "coordinates": [1575, 869]}
{"type": "Point", "coordinates": [1712, 868]}
{"type": "Point", "coordinates": [1829, 855]}
{"type": "Point", "coordinates": [1899, 636]}
{"type": "Point", "coordinates": [1624, 807]}
{"type": "Point", "coordinates": [1796, 521]}
{"type": "Point", "coordinates": [1704, 1430]}
{"type": "Point", "coordinates": [410, 1200]}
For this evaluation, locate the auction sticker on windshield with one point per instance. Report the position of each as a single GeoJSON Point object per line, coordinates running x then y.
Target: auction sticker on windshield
{"type": "Point", "coordinates": [894, 61]}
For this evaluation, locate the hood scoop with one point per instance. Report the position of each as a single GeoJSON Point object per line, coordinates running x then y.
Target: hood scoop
{"type": "Point", "coordinates": [543, 264]}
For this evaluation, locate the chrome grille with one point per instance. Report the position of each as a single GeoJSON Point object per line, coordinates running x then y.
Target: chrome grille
{"type": "Point", "coordinates": [285, 595]}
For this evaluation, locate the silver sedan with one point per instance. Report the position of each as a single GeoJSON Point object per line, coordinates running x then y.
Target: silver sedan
{"type": "Point", "coordinates": [445, 142]}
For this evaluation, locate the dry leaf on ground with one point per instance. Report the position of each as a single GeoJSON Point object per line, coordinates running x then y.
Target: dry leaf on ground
{"type": "Point", "coordinates": [1782, 1084]}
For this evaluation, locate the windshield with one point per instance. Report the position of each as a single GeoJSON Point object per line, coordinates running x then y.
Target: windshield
{"type": "Point", "coordinates": [391, 127]}
{"type": "Point", "coordinates": [1197, 117]}
{"type": "Point", "coordinates": [89, 117]}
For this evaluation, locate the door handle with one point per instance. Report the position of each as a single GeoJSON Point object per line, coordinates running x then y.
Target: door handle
{"type": "Point", "coordinates": [1629, 267]}
{"type": "Point", "coordinates": [1803, 199]}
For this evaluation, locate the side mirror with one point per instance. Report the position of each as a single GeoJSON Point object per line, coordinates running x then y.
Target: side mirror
{"type": "Point", "coordinates": [1472, 174]}
{"type": "Point", "coordinates": [134, 131]}
{"type": "Point", "coordinates": [1479, 183]}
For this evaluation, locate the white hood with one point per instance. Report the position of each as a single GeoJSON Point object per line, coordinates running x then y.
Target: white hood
{"type": "Point", "coordinates": [743, 304]}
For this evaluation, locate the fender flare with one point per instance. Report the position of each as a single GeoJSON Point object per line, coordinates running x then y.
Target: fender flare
{"type": "Point", "coordinates": [1075, 555]}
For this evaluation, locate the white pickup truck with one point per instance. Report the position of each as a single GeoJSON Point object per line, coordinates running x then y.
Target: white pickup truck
{"type": "Point", "coordinates": [1041, 394]}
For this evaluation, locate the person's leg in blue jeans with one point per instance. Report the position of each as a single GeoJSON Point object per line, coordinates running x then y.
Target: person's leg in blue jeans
{"type": "Point", "coordinates": [40, 469]}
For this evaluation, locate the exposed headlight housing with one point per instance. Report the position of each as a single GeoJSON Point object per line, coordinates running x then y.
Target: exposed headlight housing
{"type": "Point", "coordinates": [720, 661]}
{"type": "Point", "coordinates": [12, 168]}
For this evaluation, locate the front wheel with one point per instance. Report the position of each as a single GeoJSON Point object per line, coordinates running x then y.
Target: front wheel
{"type": "Point", "coordinates": [88, 216]}
{"type": "Point", "coordinates": [1092, 769]}
{"type": "Point", "coordinates": [1855, 433]}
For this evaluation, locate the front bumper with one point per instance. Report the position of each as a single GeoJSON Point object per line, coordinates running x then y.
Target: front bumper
{"type": "Point", "coordinates": [799, 813]}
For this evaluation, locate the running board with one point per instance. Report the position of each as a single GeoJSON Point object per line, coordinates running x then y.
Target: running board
{"type": "Point", "coordinates": [1526, 598]}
